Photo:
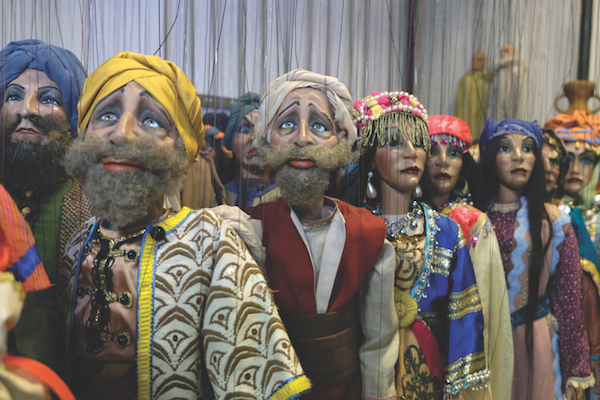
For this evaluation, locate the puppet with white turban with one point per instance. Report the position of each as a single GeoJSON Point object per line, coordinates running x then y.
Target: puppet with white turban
{"type": "Point", "coordinates": [328, 263]}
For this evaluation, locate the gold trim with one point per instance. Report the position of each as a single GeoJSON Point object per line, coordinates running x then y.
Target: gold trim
{"type": "Point", "coordinates": [441, 261]}
{"type": "Point", "coordinates": [506, 207]}
{"type": "Point", "coordinates": [463, 303]}
{"type": "Point", "coordinates": [469, 364]}
{"type": "Point", "coordinates": [460, 240]}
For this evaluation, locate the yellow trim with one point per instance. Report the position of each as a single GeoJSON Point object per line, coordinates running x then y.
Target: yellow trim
{"type": "Point", "coordinates": [146, 306]}
{"type": "Point", "coordinates": [466, 365]}
{"type": "Point", "coordinates": [292, 389]}
{"type": "Point", "coordinates": [590, 267]}
{"type": "Point", "coordinates": [582, 383]}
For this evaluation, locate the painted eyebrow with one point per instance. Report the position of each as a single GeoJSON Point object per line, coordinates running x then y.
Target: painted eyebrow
{"type": "Point", "coordinates": [248, 120]}
{"type": "Point", "coordinates": [50, 87]}
{"type": "Point", "coordinates": [322, 112]}
{"type": "Point", "coordinates": [288, 107]}
{"type": "Point", "coordinates": [17, 85]}
{"type": "Point", "coordinates": [121, 89]}
{"type": "Point", "coordinates": [147, 94]}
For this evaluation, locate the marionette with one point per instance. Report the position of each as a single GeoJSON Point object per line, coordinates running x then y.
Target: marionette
{"type": "Point", "coordinates": [541, 263]}
{"type": "Point", "coordinates": [40, 86]}
{"type": "Point", "coordinates": [21, 271]}
{"type": "Point", "coordinates": [446, 190]}
{"type": "Point", "coordinates": [328, 263]}
{"type": "Point", "coordinates": [470, 101]}
{"type": "Point", "coordinates": [163, 305]}
{"type": "Point", "coordinates": [507, 96]}
{"type": "Point", "coordinates": [252, 183]}
{"type": "Point", "coordinates": [436, 298]}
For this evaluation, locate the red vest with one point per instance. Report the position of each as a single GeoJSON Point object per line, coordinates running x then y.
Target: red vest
{"type": "Point", "coordinates": [289, 268]}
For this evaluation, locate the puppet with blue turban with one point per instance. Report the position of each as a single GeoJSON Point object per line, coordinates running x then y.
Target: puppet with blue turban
{"type": "Point", "coordinates": [252, 183]}
{"type": "Point", "coordinates": [40, 85]}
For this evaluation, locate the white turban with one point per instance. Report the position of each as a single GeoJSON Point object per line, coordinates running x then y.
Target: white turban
{"type": "Point", "coordinates": [336, 91]}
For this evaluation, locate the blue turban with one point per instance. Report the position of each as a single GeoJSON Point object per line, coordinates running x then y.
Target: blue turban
{"type": "Point", "coordinates": [494, 129]}
{"type": "Point", "coordinates": [59, 64]}
{"type": "Point", "coordinates": [245, 104]}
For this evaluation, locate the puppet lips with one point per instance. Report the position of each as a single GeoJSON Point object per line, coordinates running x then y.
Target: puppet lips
{"type": "Point", "coordinates": [519, 171]}
{"type": "Point", "coordinates": [27, 131]}
{"type": "Point", "coordinates": [410, 170]}
{"type": "Point", "coordinates": [442, 176]}
{"type": "Point", "coordinates": [120, 165]}
{"type": "Point", "coordinates": [302, 163]}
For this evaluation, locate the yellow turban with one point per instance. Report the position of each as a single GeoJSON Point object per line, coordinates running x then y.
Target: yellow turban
{"type": "Point", "coordinates": [162, 79]}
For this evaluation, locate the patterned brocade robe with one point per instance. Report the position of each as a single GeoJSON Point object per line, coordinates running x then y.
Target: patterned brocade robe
{"type": "Point", "coordinates": [180, 310]}
{"type": "Point", "coordinates": [442, 350]}
{"type": "Point", "coordinates": [560, 342]}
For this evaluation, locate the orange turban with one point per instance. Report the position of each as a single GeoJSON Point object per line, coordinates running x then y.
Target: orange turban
{"type": "Point", "coordinates": [580, 127]}
{"type": "Point", "coordinates": [162, 79]}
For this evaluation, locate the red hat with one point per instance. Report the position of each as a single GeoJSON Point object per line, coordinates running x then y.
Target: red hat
{"type": "Point", "coordinates": [449, 125]}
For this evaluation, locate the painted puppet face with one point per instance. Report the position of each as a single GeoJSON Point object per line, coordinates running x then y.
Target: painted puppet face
{"type": "Point", "coordinates": [515, 161]}
{"type": "Point", "coordinates": [444, 165]}
{"type": "Point", "coordinates": [581, 168]}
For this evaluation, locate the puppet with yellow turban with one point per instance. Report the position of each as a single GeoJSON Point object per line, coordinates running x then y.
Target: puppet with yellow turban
{"type": "Point", "coordinates": [161, 305]}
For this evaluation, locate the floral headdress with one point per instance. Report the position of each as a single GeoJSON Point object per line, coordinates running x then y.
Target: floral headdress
{"type": "Point", "coordinates": [377, 113]}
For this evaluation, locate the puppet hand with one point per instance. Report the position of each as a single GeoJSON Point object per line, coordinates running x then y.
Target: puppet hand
{"type": "Point", "coordinates": [570, 393]}
{"type": "Point", "coordinates": [251, 235]}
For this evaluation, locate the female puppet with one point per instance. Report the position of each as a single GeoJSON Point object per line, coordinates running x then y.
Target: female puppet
{"type": "Point", "coordinates": [541, 263]}
{"type": "Point", "coordinates": [252, 183]}
{"type": "Point", "coordinates": [446, 190]}
{"type": "Point", "coordinates": [557, 163]}
{"type": "Point", "coordinates": [438, 306]}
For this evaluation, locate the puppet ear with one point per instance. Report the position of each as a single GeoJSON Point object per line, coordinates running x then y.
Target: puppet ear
{"type": "Point", "coordinates": [342, 134]}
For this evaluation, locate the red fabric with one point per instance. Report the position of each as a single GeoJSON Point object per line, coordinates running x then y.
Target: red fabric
{"type": "Point", "coordinates": [43, 373]}
{"type": "Point", "coordinates": [15, 240]}
{"type": "Point", "coordinates": [288, 264]}
{"type": "Point", "coordinates": [291, 275]}
{"type": "Point", "coordinates": [431, 351]}
{"type": "Point", "coordinates": [466, 217]}
{"type": "Point", "coordinates": [439, 124]}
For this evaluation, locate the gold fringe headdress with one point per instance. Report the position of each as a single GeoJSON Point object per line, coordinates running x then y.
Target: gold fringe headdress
{"type": "Point", "coordinates": [377, 113]}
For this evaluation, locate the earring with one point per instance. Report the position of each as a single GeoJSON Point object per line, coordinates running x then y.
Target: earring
{"type": "Point", "coordinates": [371, 191]}
{"type": "Point", "coordinates": [417, 193]}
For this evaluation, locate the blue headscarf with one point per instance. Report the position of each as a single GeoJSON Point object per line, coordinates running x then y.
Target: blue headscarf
{"type": "Point", "coordinates": [245, 104]}
{"type": "Point", "coordinates": [57, 63]}
{"type": "Point", "coordinates": [494, 129]}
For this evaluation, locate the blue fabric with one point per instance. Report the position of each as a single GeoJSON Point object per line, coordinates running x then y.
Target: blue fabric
{"type": "Point", "coordinates": [245, 104]}
{"type": "Point", "coordinates": [25, 265]}
{"type": "Point", "coordinates": [251, 192]}
{"type": "Point", "coordinates": [543, 308]}
{"type": "Point", "coordinates": [586, 247]}
{"type": "Point", "coordinates": [494, 129]}
{"type": "Point", "coordinates": [462, 336]}
{"type": "Point", "coordinates": [59, 64]}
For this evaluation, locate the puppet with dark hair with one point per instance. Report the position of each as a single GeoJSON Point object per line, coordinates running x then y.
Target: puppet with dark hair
{"type": "Point", "coordinates": [576, 158]}
{"type": "Point", "coordinates": [449, 167]}
{"type": "Point", "coordinates": [538, 247]}
{"type": "Point", "coordinates": [434, 273]}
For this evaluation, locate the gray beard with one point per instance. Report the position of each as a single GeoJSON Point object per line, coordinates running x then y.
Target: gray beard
{"type": "Point", "coordinates": [122, 198]}
{"type": "Point", "coordinates": [300, 187]}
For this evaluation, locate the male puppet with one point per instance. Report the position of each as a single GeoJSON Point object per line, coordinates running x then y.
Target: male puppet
{"type": "Point", "coordinates": [328, 263]}
{"type": "Point", "coordinates": [164, 305]}
{"type": "Point", "coordinates": [40, 86]}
